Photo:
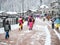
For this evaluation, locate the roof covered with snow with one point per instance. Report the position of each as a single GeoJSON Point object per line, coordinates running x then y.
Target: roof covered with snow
{"type": "Point", "coordinates": [11, 12]}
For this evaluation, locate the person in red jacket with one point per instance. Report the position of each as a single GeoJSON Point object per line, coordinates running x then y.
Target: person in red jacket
{"type": "Point", "coordinates": [20, 23]}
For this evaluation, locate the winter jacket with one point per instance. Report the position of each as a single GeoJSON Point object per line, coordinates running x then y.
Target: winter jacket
{"type": "Point", "coordinates": [20, 21]}
{"type": "Point", "coordinates": [3, 22]}
{"type": "Point", "coordinates": [7, 27]}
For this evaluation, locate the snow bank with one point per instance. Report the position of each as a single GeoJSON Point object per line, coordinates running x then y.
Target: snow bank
{"type": "Point", "coordinates": [48, 37]}
{"type": "Point", "coordinates": [2, 30]}
{"type": "Point", "coordinates": [12, 28]}
{"type": "Point", "coordinates": [58, 35]}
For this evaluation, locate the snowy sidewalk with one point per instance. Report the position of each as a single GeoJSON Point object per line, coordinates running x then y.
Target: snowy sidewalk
{"type": "Point", "coordinates": [37, 36]}
{"type": "Point", "coordinates": [57, 33]}
{"type": "Point", "coordinates": [13, 27]}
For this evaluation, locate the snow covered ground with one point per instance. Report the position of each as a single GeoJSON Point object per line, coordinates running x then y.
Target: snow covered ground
{"type": "Point", "coordinates": [39, 32]}
{"type": "Point", "coordinates": [42, 33]}
{"type": "Point", "coordinates": [12, 28]}
{"type": "Point", "coordinates": [49, 23]}
{"type": "Point", "coordinates": [44, 28]}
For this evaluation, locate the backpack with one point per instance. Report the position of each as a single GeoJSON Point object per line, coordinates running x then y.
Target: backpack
{"type": "Point", "coordinates": [6, 27]}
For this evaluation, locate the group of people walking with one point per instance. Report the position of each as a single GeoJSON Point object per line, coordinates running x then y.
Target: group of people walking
{"type": "Point", "coordinates": [31, 20]}
{"type": "Point", "coordinates": [30, 23]}
{"type": "Point", "coordinates": [7, 26]}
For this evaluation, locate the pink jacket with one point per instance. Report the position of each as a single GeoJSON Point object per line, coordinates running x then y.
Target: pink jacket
{"type": "Point", "coordinates": [30, 24]}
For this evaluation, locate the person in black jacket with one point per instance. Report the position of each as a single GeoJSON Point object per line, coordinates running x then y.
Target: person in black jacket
{"type": "Point", "coordinates": [4, 22]}
{"type": "Point", "coordinates": [52, 24]}
{"type": "Point", "coordinates": [7, 28]}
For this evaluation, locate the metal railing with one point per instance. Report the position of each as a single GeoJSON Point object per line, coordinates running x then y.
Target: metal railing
{"type": "Point", "coordinates": [11, 21]}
